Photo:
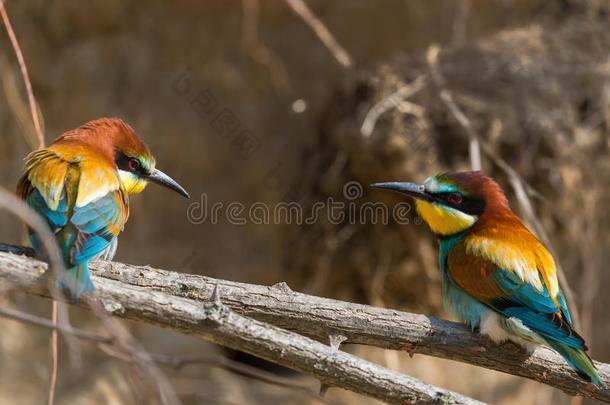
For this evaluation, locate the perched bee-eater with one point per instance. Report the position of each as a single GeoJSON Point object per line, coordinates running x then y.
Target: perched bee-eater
{"type": "Point", "coordinates": [496, 275]}
{"type": "Point", "coordinates": [80, 185]}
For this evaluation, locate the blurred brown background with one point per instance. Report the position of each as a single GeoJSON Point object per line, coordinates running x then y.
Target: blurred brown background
{"type": "Point", "coordinates": [531, 75]}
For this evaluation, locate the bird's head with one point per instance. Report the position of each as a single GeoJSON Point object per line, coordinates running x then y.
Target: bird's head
{"type": "Point", "coordinates": [452, 202]}
{"type": "Point", "coordinates": [120, 145]}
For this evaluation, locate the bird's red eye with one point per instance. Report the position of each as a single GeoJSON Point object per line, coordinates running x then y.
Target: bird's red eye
{"type": "Point", "coordinates": [455, 198]}
{"type": "Point", "coordinates": [133, 165]}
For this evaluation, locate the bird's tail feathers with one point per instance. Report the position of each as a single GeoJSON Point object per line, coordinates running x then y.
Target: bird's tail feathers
{"type": "Point", "coordinates": [579, 360]}
{"type": "Point", "coordinates": [76, 280]}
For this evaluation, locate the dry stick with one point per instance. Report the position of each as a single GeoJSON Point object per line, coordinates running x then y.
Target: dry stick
{"type": "Point", "coordinates": [17, 207]}
{"type": "Point", "coordinates": [241, 369]}
{"type": "Point", "coordinates": [166, 392]}
{"type": "Point", "coordinates": [522, 191]}
{"type": "Point", "coordinates": [460, 21]}
{"type": "Point", "coordinates": [54, 356]}
{"type": "Point", "coordinates": [340, 54]}
{"type": "Point", "coordinates": [14, 205]}
{"type": "Point", "coordinates": [176, 362]}
{"type": "Point", "coordinates": [260, 53]}
{"type": "Point", "coordinates": [447, 98]}
{"type": "Point", "coordinates": [39, 321]}
{"type": "Point", "coordinates": [317, 318]}
{"type": "Point", "coordinates": [18, 104]}
{"type": "Point", "coordinates": [17, 250]}
{"type": "Point", "coordinates": [40, 135]}
{"type": "Point", "coordinates": [526, 204]}
{"type": "Point", "coordinates": [24, 72]}
{"type": "Point", "coordinates": [123, 336]}
{"type": "Point", "coordinates": [215, 322]}
{"type": "Point", "coordinates": [244, 370]}
{"type": "Point", "coordinates": [518, 184]}
{"type": "Point", "coordinates": [120, 334]}
{"type": "Point", "coordinates": [123, 340]}
{"type": "Point", "coordinates": [392, 101]}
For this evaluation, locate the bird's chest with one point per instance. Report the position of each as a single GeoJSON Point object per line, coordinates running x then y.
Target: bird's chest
{"type": "Point", "coordinates": [456, 301]}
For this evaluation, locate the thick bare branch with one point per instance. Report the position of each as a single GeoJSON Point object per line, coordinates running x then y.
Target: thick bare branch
{"type": "Point", "coordinates": [320, 317]}
{"type": "Point", "coordinates": [215, 321]}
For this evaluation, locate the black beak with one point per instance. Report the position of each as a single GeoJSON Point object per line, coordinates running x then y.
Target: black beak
{"type": "Point", "coordinates": [411, 189]}
{"type": "Point", "coordinates": [164, 180]}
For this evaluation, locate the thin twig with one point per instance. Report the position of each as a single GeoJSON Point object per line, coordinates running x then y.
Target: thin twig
{"type": "Point", "coordinates": [14, 205]}
{"type": "Point", "coordinates": [54, 356]}
{"type": "Point", "coordinates": [318, 27]}
{"type": "Point", "coordinates": [176, 362]}
{"type": "Point", "coordinates": [40, 136]}
{"type": "Point", "coordinates": [393, 100]}
{"type": "Point", "coordinates": [123, 337]}
{"type": "Point", "coordinates": [17, 207]}
{"type": "Point", "coordinates": [17, 103]}
{"type": "Point", "coordinates": [241, 369]}
{"type": "Point", "coordinates": [124, 341]}
{"type": "Point", "coordinates": [460, 21]}
{"type": "Point", "coordinates": [24, 72]}
{"type": "Point", "coordinates": [259, 52]}
{"type": "Point", "coordinates": [45, 323]}
{"type": "Point", "coordinates": [447, 98]}
{"type": "Point", "coordinates": [17, 250]}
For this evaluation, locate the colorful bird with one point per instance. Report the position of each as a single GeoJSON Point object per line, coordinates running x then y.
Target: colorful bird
{"type": "Point", "coordinates": [80, 185]}
{"type": "Point", "coordinates": [496, 275]}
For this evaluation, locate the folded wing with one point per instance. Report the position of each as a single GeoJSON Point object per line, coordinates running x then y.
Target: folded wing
{"type": "Point", "coordinates": [512, 295]}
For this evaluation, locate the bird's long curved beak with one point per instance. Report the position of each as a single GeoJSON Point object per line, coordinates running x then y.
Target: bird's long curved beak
{"type": "Point", "coordinates": [164, 180]}
{"type": "Point", "coordinates": [411, 189]}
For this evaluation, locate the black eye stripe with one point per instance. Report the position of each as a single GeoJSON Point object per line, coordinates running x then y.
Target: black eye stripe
{"type": "Point", "coordinates": [468, 205]}
{"type": "Point", "coordinates": [122, 162]}
{"type": "Point", "coordinates": [447, 197]}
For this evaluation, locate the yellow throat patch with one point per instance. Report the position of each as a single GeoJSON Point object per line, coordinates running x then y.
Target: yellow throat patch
{"type": "Point", "coordinates": [444, 220]}
{"type": "Point", "coordinates": [131, 183]}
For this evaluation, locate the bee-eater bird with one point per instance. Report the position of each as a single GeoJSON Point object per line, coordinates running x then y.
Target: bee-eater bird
{"type": "Point", "coordinates": [496, 275]}
{"type": "Point", "coordinates": [80, 185]}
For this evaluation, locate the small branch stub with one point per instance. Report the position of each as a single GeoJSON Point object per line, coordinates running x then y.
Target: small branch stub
{"type": "Point", "coordinates": [216, 312]}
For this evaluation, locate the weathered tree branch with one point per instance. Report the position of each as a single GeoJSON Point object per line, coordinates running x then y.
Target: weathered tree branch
{"type": "Point", "coordinates": [216, 322]}
{"type": "Point", "coordinates": [320, 317]}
